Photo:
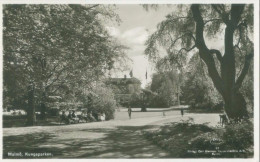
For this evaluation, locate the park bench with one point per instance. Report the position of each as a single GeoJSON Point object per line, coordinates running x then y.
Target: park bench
{"type": "Point", "coordinates": [66, 120]}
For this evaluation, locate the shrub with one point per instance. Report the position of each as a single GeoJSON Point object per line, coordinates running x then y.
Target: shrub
{"type": "Point", "coordinates": [101, 100]}
{"type": "Point", "coordinates": [239, 135]}
{"type": "Point", "coordinates": [136, 100]}
{"type": "Point", "coordinates": [177, 138]}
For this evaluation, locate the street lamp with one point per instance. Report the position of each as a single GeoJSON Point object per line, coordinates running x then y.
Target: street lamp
{"type": "Point", "coordinates": [178, 92]}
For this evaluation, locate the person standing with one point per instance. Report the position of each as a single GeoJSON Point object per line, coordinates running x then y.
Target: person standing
{"type": "Point", "coordinates": [129, 112]}
{"type": "Point", "coordinates": [182, 112]}
{"type": "Point", "coordinates": [63, 118]}
{"type": "Point", "coordinates": [69, 117]}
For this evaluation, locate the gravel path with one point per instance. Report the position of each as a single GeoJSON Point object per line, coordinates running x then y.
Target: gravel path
{"type": "Point", "coordinates": [119, 138]}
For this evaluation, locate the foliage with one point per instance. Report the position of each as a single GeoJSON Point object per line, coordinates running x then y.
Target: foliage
{"type": "Point", "coordinates": [175, 136]}
{"type": "Point", "coordinates": [62, 49]}
{"type": "Point", "coordinates": [190, 28]}
{"type": "Point", "coordinates": [178, 138]}
{"type": "Point", "coordinates": [239, 135]}
{"type": "Point", "coordinates": [247, 90]}
{"type": "Point", "coordinates": [101, 100]}
{"type": "Point", "coordinates": [198, 90]}
{"type": "Point", "coordinates": [165, 85]}
{"type": "Point", "coordinates": [124, 85]}
{"type": "Point", "coordinates": [136, 100]}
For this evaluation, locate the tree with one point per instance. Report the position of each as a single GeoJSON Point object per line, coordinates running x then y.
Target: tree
{"type": "Point", "coordinates": [165, 85]}
{"type": "Point", "coordinates": [61, 49]}
{"type": "Point", "coordinates": [198, 89]}
{"type": "Point", "coordinates": [101, 100]}
{"type": "Point", "coordinates": [191, 27]}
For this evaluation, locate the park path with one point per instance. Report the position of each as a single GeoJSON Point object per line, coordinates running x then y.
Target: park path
{"type": "Point", "coordinates": [109, 139]}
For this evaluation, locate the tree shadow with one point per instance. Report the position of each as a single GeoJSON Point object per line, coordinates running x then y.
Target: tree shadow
{"type": "Point", "coordinates": [122, 142]}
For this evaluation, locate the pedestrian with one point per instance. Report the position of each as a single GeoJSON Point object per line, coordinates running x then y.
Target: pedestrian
{"type": "Point", "coordinates": [63, 118]}
{"type": "Point", "coordinates": [129, 112]}
{"type": "Point", "coordinates": [164, 114]}
{"type": "Point", "coordinates": [69, 117]}
{"type": "Point", "coordinates": [74, 117]}
{"type": "Point", "coordinates": [91, 117]}
{"type": "Point", "coordinates": [182, 112]}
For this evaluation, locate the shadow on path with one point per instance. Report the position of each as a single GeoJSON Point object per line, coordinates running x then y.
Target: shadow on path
{"type": "Point", "coordinates": [121, 142]}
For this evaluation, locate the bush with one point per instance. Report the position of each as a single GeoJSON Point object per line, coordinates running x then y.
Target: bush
{"type": "Point", "coordinates": [178, 138]}
{"type": "Point", "coordinates": [239, 135]}
{"type": "Point", "coordinates": [101, 100]}
{"type": "Point", "coordinates": [53, 112]}
{"type": "Point", "coordinates": [136, 100]}
{"type": "Point", "coordinates": [235, 137]}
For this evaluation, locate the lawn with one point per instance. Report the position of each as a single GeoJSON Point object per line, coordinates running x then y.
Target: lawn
{"type": "Point", "coordinates": [189, 140]}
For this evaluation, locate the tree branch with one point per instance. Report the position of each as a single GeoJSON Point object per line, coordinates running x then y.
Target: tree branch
{"type": "Point", "coordinates": [239, 27]}
{"type": "Point", "coordinates": [52, 71]}
{"type": "Point", "coordinates": [240, 79]}
{"type": "Point", "coordinates": [84, 8]}
{"type": "Point", "coordinates": [187, 50]}
{"type": "Point", "coordinates": [204, 52]}
{"type": "Point", "coordinates": [236, 12]}
{"type": "Point", "coordinates": [57, 77]}
{"type": "Point", "coordinates": [220, 9]}
{"type": "Point", "coordinates": [218, 54]}
{"type": "Point", "coordinates": [188, 33]}
{"type": "Point", "coordinates": [177, 18]}
{"type": "Point", "coordinates": [211, 20]}
{"type": "Point", "coordinates": [92, 7]}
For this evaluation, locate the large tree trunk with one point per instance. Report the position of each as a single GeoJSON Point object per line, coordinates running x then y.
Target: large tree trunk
{"type": "Point", "coordinates": [31, 118]}
{"type": "Point", "coordinates": [235, 106]}
{"type": "Point", "coordinates": [43, 106]}
{"type": "Point", "coordinates": [43, 111]}
{"type": "Point", "coordinates": [225, 83]}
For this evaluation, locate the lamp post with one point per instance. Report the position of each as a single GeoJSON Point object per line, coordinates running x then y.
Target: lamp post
{"type": "Point", "coordinates": [143, 101]}
{"type": "Point", "coordinates": [178, 91]}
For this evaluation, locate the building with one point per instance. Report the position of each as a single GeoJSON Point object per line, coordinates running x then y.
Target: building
{"type": "Point", "coordinates": [124, 88]}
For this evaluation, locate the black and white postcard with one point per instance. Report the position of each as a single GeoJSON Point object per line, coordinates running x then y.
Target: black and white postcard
{"type": "Point", "coordinates": [165, 80]}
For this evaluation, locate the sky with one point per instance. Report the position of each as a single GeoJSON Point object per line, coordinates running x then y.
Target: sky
{"type": "Point", "coordinates": [137, 24]}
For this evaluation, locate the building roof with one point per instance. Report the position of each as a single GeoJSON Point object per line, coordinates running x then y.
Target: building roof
{"type": "Point", "coordinates": [123, 81]}
{"type": "Point", "coordinates": [147, 91]}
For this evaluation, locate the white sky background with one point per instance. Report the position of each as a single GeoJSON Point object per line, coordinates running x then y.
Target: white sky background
{"type": "Point", "coordinates": [137, 24]}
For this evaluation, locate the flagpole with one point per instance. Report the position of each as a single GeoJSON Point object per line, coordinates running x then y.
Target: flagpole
{"type": "Point", "coordinates": [146, 77]}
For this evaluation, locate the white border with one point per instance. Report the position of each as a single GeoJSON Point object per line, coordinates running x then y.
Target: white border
{"type": "Point", "coordinates": [126, 1]}
{"type": "Point", "coordinates": [256, 66]}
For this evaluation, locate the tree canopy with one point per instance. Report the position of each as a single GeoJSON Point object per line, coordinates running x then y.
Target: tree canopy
{"type": "Point", "coordinates": [61, 49]}
{"type": "Point", "coordinates": [198, 28]}
{"type": "Point", "coordinates": [165, 85]}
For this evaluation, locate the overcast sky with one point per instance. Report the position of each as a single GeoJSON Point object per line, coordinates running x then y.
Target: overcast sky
{"type": "Point", "coordinates": [133, 31]}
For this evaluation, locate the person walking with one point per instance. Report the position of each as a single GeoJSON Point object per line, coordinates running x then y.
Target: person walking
{"type": "Point", "coordinates": [129, 112]}
{"type": "Point", "coordinates": [163, 113]}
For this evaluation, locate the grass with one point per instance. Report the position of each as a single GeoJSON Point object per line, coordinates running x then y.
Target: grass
{"type": "Point", "coordinates": [20, 121]}
{"type": "Point", "coordinates": [189, 140]}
